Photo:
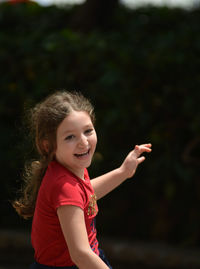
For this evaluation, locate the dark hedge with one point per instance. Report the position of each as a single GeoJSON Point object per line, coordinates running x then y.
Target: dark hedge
{"type": "Point", "coordinates": [143, 77]}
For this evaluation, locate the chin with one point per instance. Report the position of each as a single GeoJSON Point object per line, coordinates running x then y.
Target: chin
{"type": "Point", "coordinates": [88, 164]}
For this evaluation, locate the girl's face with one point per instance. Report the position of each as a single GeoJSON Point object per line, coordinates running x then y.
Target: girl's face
{"type": "Point", "coordinates": [76, 142]}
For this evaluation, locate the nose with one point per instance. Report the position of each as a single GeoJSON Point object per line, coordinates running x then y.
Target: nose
{"type": "Point", "coordinates": [83, 141]}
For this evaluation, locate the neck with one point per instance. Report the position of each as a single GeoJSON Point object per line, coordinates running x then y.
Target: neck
{"type": "Point", "coordinates": [78, 173]}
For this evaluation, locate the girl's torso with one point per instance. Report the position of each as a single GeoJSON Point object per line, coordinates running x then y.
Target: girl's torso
{"type": "Point", "coordinates": [61, 187]}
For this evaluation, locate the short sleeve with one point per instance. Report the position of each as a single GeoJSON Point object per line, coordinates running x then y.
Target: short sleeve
{"type": "Point", "coordinates": [67, 192]}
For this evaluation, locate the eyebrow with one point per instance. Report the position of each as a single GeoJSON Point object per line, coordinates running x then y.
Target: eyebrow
{"type": "Point", "coordinates": [72, 130]}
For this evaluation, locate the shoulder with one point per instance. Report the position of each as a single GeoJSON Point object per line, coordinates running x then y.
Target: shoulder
{"type": "Point", "coordinates": [62, 187]}
{"type": "Point", "coordinates": [56, 170]}
{"type": "Point", "coordinates": [58, 176]}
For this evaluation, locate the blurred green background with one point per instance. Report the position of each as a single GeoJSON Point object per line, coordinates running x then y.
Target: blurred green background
{"type": "Point", "coordinates": [141, 70]}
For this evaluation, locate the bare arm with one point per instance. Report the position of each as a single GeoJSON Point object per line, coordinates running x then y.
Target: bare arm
{"type": "Point", "coordinates": [106, 183]}
{"type": "Point", "coordinates": [73, 226]}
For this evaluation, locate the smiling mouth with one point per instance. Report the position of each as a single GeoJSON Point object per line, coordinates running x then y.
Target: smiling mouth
{"type": "Point", "coordinates": [82, 154]}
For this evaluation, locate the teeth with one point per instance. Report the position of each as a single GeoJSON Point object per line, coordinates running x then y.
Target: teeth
{"type": "Point", "coordinates": [82, 154]}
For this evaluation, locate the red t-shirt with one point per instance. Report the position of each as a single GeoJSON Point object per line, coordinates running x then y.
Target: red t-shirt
{"type": "Point", "coordinates": [61, 187]}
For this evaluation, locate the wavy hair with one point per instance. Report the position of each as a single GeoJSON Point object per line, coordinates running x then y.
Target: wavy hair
{"type": "Point", "coordinates": [44, 121]}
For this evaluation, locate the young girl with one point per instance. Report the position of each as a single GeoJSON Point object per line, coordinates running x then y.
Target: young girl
{"type": "Point", "coordinates": [58, 192]}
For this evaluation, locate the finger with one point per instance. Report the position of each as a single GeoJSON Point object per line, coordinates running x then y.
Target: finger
{"type": "Point", "coordinates": [146, 149]}
{"type": "Point", "coordinates": [136, 151]}
{"type": "Point", "coordinates": [149, 145]}
{"type": "Point", "coordinates": [137, 147]}
{"type": "Point", "coordinates": [141, 159]}
{"type": "Point", "coordinates": [140, 149]}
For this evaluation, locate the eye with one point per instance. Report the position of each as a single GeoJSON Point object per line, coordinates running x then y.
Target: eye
{"type": "Point", "coordinates": [69, 137]}
{"type": "Point", "coordinates": [89, 131]}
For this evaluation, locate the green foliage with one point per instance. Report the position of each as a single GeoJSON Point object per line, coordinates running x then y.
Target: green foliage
{"type": "Point", "coordinates": [143, 78]}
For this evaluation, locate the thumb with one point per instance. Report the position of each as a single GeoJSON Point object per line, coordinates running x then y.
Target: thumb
{"type": "Point", "coordinates": [141, 159]}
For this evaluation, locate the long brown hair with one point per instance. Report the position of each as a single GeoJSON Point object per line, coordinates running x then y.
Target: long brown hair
{"type": "Point", "coordinates": [45, 119]}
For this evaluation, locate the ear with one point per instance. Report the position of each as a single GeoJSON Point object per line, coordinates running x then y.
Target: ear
{"type": "Point", "coordinates": [45, 144]}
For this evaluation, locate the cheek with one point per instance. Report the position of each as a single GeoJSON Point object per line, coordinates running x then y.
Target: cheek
{"type": "Point", "coordinates": [94, 140]}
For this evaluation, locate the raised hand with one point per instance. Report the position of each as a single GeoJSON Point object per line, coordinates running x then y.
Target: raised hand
{"type": "Point", "coordinates": [133, 159]}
